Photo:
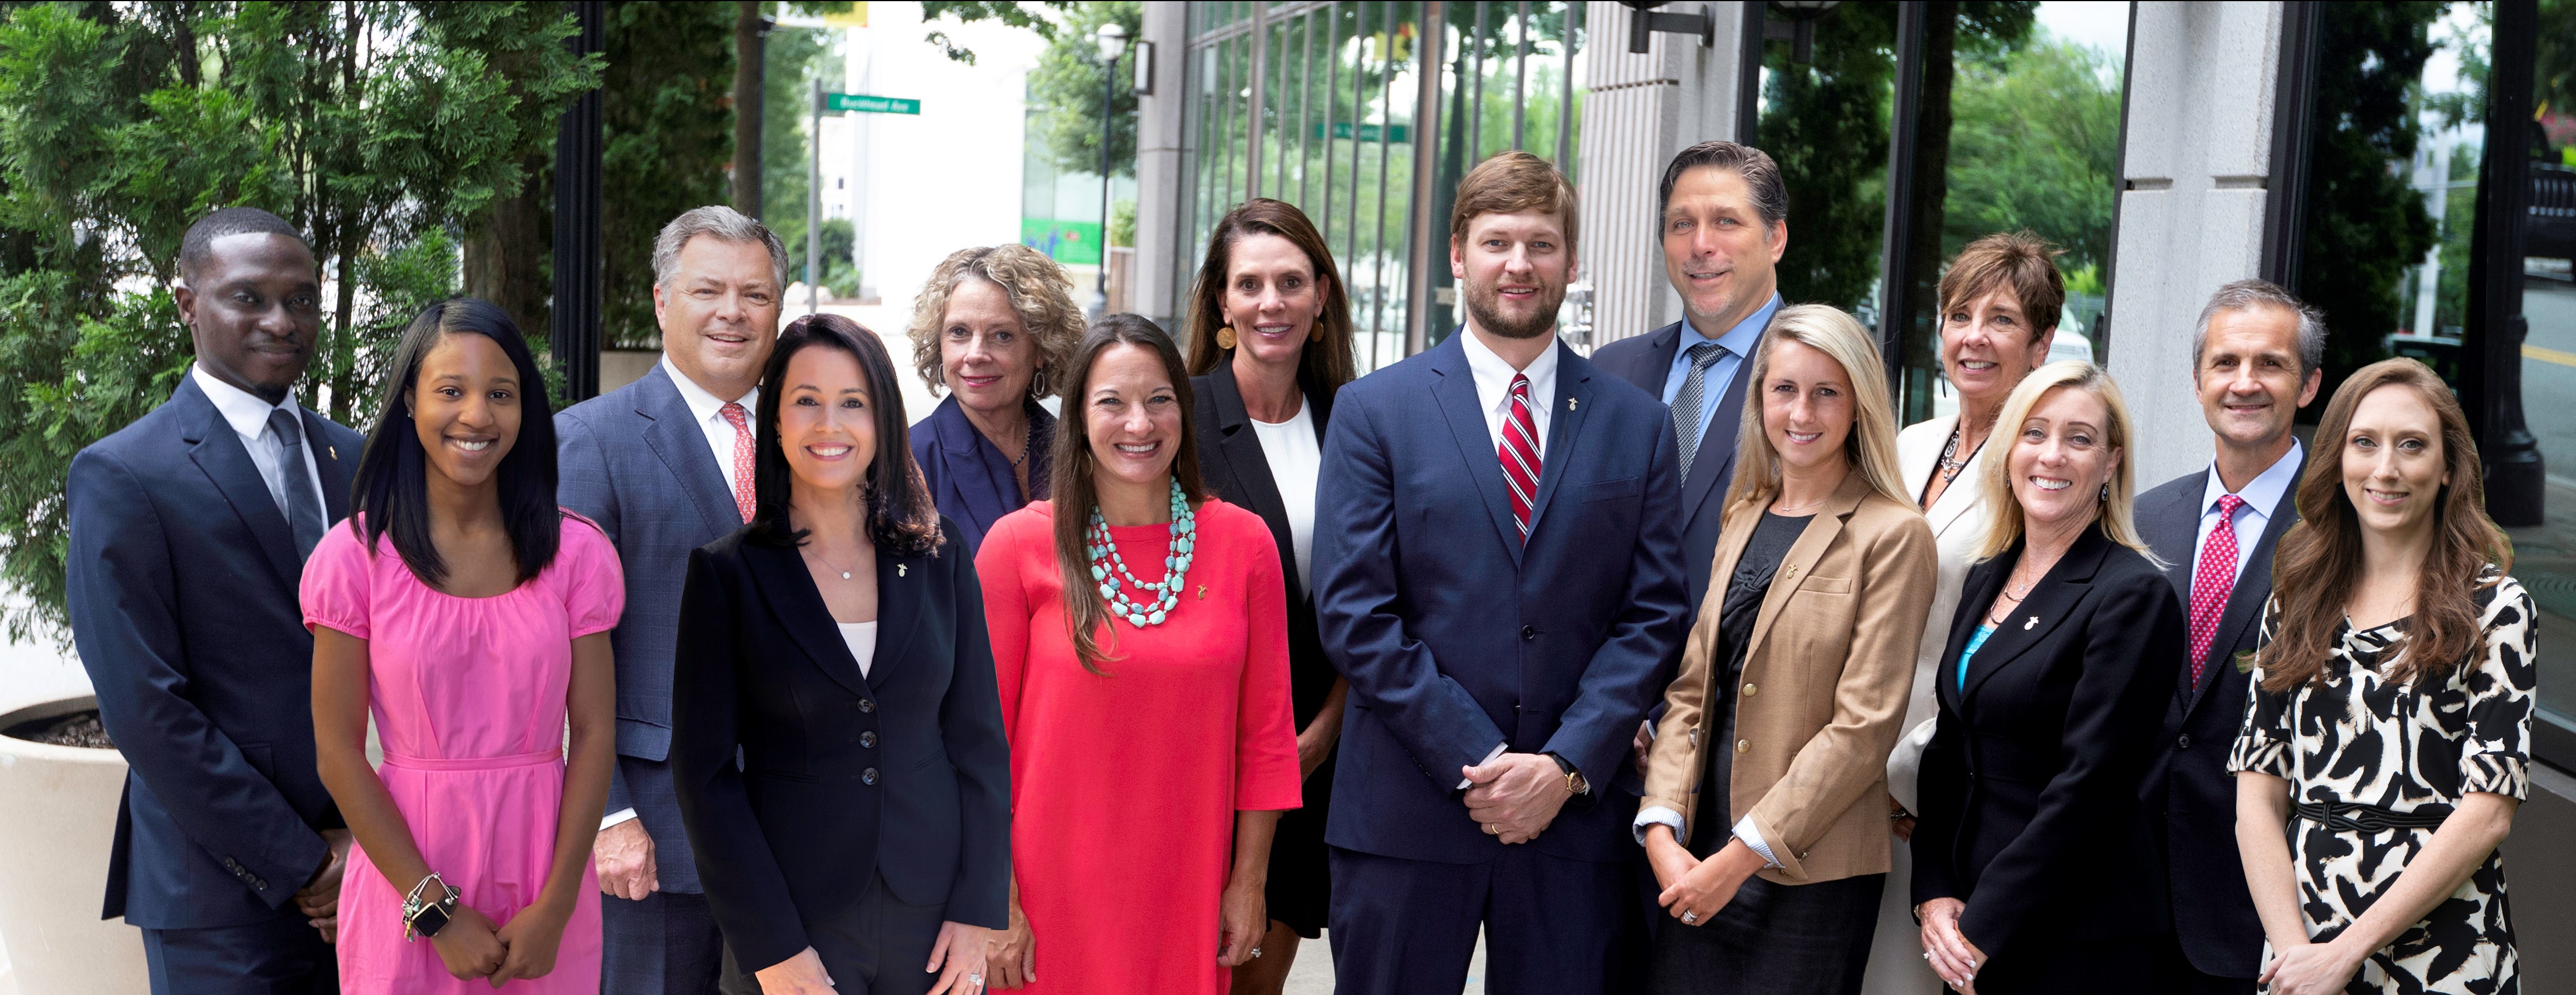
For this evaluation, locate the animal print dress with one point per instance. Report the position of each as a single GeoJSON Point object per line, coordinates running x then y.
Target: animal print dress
{"type": "Point", "coordinates": [2361, 737]}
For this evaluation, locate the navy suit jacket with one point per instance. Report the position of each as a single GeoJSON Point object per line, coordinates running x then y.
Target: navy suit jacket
{"type": "Point", "coordinates": [183, 578]}
{"type": "Point", "coordinates": [1646, 360]}
{"type": "Point", "coordinates": [1457, 637]}
{"type": "Point", "coordinates": [901, 772]}
{"type": "Point", "coordinates": [2189, 781]}
{"type": "Point", "coordinates": [635, 461]}
{"type": "Point", "coordinates": [971, 481]}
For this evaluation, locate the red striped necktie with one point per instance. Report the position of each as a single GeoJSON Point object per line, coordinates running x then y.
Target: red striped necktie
{"type": "Point", "coordinates": [1519, 453]}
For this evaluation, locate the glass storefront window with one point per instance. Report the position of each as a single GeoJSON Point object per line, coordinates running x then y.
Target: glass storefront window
{"type": "Point", "coordinates": [2545, 556]}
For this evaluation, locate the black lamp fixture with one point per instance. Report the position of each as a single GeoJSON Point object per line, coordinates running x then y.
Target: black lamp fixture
{"type": "Point", "coordinates": [1642, 26]}
{"type": "Point", "coordinates": [1800, 32]}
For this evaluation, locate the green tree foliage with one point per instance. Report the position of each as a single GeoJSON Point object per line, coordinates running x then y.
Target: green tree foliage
{"type": "Point", "coordinates": [2035, 145]}
{"type": "Point", "coordinates": [1032, 16]}
{"type": "Point", "coordinates": [667, 105]}
{"type": "Point", "coordinates": [1825, 122]}
{"type": "Point", "coordinates": [1064, 91]}
{"type": "Point", "coordinates": [2365, 224]}
{"type": "Point", "coordinates": [378, 129]}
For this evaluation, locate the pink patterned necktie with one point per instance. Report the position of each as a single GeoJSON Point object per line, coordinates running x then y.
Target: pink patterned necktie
{"type": "Point", "coordinates": [2213, 582]}
{"type": "Point", "coordinates": [742, 500]}
{"type": "Point", "coordinates": [1519, 453]}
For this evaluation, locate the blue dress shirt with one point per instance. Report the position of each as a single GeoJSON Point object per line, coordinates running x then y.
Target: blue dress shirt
{"type": "Point", "coordinates": [1738, 342]}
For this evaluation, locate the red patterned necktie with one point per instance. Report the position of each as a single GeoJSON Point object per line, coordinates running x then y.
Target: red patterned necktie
{"type": "Point", "coordinates": [742, 499]}
{"type": "Point", "coordinates": [2213, 581]}
{"type": "Point", "coordinates": [1519, 453]}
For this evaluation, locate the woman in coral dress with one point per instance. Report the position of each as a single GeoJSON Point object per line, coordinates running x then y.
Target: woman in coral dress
{"type": "Point", "coordinates": [1152, 753]}
{"type": "Point", "coordinates": [470, 616]}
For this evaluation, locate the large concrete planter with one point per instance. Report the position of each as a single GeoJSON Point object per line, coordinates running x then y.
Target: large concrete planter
{"type": "Point", "coordinates": [57, 823]}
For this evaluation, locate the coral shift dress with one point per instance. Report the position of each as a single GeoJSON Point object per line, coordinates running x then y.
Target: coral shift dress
{"type": "Point", "coordinates": [1124, 787]}
{"type": "Point", "coordinates": [468, 696]}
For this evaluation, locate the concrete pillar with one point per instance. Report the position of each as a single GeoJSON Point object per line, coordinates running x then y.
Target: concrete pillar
{"type": "Point", "coordinates": [2202, 77]}
{"type": "Point", "coordinates": [1639, 111]}
{"type": "Point", "coordinates": [1162, 188]}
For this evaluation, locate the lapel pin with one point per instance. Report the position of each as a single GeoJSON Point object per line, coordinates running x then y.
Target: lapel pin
{"type": "Point", "coordinates": [335, 451]}
{"type": "Point", "coordinates": [2025, 626]}
{"type": "Point", "coordinates": [1202, 592]}
{"type": "Point", "coordinates": [898, 569]}
{"type": "Point", "coordinates": [1570, 403]}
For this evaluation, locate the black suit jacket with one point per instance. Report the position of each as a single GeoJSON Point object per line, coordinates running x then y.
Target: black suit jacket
{"type": "Point", "coordinates": [2188, 781]}
{"type": "Point", "coordinates": [903, 772]}
{"type": "Point", "coordinates": [1646, 360]}
{"type": "Point", "coordinates": [183, 583]}
{"type": "Point", "coordinates": [2030, 786]}
{"type": "Point", "coordinates": [1233, 466]}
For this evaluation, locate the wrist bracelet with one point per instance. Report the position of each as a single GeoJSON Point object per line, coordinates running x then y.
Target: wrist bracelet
{"type": "Point", "coordinates": [423, 917]}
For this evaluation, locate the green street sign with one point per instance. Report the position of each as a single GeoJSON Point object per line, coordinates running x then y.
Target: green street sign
{"type": "Point", "coordinates": [866, 104]}
{"type": "Point", "coordinates": [1367, 132]}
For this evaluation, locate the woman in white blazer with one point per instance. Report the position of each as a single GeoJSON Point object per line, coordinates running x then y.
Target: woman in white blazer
{"type": "Point", "coordinates": [1999, 305]}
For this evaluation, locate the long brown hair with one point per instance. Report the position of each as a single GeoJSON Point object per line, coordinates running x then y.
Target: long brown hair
{"type": "Point", "coordinates": [2320, 556]}
{"type": "Point", "coordinates": [1085, 612]}
{"type": "Point", "coordinates": [1323, 366]}
{"type": "Point", "coordinates": [900, 516]}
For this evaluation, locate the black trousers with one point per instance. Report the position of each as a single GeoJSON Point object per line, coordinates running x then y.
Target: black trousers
{"type": "Point", "coordinates": [1802, 939]}
{"type": "Point", "coordinates": [876, 946]}
{"type": "Point", "coordinates": [666, 944]}
{"type": "Point", "coordinates": [2180, 978]}
{"type": "Point", "coordinates": [1552, 926]}
{"type": "Point", "coordinates": [283, 955]}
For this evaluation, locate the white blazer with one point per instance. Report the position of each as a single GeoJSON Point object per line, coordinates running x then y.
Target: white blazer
{"type": "Point", "coordinates": [1958, 520]}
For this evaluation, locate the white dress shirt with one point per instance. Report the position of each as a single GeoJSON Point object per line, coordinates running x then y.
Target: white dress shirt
{"type": "Point", "coordinates": [1493, 376]}
{"type": "Point", "coordinates": [708, 409]}
{"type": "Point", "coordinates": [248, 416]}
{"type": "Point", "coordinates": [2263, 496]}
{"type": "Point", "coordinates": [1295, 462]}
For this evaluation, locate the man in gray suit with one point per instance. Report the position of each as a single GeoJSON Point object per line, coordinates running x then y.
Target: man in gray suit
{"type": "Point", "coordinates": [664, 466]}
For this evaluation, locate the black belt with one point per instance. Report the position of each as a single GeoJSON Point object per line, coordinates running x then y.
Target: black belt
{"type": "Point", "coordinates": [2357, 817]}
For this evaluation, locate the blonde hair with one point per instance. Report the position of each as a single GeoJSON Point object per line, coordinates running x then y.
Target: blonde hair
{"type": "Point", "coordinates": [2004, 527]}
{"type": "Point", "coordinates": [1869, 449]}
{"type": "Point", "coordinates": [1039, 292]}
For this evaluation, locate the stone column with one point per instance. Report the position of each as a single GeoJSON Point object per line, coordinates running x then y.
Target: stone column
{"type": "Point", "coordinates": [1640, 110]}
{"type": "Point", "coordinates": [1162, 185]}
{"type": "Point", "coordinates": [2198, 143]}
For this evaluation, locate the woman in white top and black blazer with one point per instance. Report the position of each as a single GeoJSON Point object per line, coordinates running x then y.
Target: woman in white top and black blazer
{"type": "Point", "coordinates": [836, 645]}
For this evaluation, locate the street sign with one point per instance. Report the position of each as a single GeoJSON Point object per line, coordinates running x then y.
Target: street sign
{"type": "Point", "coordinates": [865, 104]}
{"type": "Point", "coordinates": [1367, 132]}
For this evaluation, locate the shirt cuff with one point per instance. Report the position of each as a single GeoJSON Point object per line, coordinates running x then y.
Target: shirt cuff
{"type": "Point", "coordinates": [1468, 782]}
{"type": "Point", "coordinates": [613, 818]}
{"type": "Point", "coordinates": [1753, 838]}
{"type": "Point", "coordinates": [1657, 815]}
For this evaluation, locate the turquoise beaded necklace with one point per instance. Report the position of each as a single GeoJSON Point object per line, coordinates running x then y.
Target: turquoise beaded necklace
{"type": "Point", "coordinates": [1116, 581]}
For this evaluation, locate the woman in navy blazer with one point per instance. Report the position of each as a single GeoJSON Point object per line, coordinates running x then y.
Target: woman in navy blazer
{"type": "Point", "coordinates": [991, 326]}
{"type": "Point", "coordinates": [837, 643]}
{"type": "Point", "coordinates": [2032, 848]}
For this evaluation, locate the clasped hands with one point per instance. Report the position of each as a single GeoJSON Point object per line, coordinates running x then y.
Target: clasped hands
{"type": "Point", "coordinates": [319, 899]}
{"type": "Point", "coordinates": [1515, 796]}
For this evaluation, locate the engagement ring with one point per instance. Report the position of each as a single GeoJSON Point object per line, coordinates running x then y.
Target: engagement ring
{"type": "Point", "coordinates": [1690, 918]}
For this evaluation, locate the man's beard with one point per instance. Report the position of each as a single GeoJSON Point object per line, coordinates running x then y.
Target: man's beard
{"type": "Point", "coordinates": [1485, 306]}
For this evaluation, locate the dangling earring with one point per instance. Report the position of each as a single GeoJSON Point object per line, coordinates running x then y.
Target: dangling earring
{"type": "Point", "coordinates": [1225, 337]}
{"type": "Point", "coordinates": [1318, 334]}
{"type": "Point", "coordinates": [2106, 493]}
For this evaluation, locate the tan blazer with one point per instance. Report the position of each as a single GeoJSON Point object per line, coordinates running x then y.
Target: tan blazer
{"type": "Point", "coordinates": [1826, 677]}
{"type": "Point", "coordinates": [1958, 523]}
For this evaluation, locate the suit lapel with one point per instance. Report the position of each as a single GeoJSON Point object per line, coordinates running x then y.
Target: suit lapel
{"type": "Point", "coordinates": [217, 450]}
{"type": "Point", "coordinates": [1800, 562]}
{"type": "Point", "coordinates": [1455, 393]}
{"type": "Point", "coordinates": [1573, 387]}
{"type": "Point", "coordinates": [899, 595]}
{"type": "Point", "coordinates": [674, 436]}
{"type": "Point", "coordinates": [788, 588]}
{"type": "Point", "coordinates": [961, 458]}
{"type": "Point", "coordinates": [2172, 525]}
{"type": "Point", "coordinates": [1957, 499]}
{"type": "Point", "coordinates": [2244, 601]}
{"type": "Point", "coordinates": [1915, 463]}
{"type": "Point", "coordinates": [1240, 445]}
{"type": "Point", "coordinates": [335, 467]}
{"type": "Point", "coordinates": [1652, 366]}
{"type": "Point", "coordinates": [2051, 601]}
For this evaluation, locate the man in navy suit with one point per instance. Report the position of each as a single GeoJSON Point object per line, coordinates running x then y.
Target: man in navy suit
{"type": "Point", "coordinates": [1725, 222]}
{"type": "Point", "coordinates": [189, 530]}
{"type": "Point", "coordinates": [1498, 573]}
{"type": "Point", "coordinates": [2254, 365]}
{"type": "Point", "coordinates": [664, 466]}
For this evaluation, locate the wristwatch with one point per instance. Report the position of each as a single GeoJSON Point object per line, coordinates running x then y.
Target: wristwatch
{"type": "Point", "coordinates": [425, 917]}
{"type": "Point", "coordinates": [1574, 781]}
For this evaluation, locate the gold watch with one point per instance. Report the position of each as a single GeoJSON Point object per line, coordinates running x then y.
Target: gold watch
{"type": "Point", "coordinates": [1574, 781]}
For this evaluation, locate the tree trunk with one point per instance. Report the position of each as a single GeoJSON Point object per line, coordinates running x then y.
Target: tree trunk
{"type": "Point", "coordinates": [505, 255]}
{"type": "Point", "coordinates": [747, 83]}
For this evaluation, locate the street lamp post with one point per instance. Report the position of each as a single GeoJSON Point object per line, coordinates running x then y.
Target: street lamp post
{"type": "Point", "coordinates": [1113, 44]}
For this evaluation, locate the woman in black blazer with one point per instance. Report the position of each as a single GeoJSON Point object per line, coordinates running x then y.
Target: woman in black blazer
{"type": "Point", "coordinates": [837, 642]}
{"type": "Point", "coordinates": [1270, 343]}
{"type": "Point", "coordinates": [2032, 848]}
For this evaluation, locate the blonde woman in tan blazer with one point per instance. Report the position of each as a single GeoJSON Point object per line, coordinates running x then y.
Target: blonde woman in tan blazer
{"type": "Point", "coordinates": [1765, 815]}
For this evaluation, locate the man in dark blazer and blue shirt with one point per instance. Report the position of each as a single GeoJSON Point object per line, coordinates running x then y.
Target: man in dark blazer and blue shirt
{"type": "Point", "coordinates": [2254, 365]}
{"type": "Point", "coordinates": [664, 466]}
{"type": "Point", "coordinates": [1498, 573]}
{"type": "Point", "coordinates": [1724, 223]}
{"type": "Point", "coordinates": [189, 530]}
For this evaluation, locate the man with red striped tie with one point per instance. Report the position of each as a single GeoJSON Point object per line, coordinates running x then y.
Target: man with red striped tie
{"type": "Point", "coordinates": [1498, 572]}
{"type": "Point", "coordinates": [2255, 363]}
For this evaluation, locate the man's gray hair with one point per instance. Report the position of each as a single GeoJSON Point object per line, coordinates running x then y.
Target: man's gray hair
{"type": "Point", "coordinates": [719, 222]}
{"type": "Point", "coordinates": [2246, 295]}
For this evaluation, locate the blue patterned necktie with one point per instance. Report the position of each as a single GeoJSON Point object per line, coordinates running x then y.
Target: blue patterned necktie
{"type": "Point", "coordinates": [1686, 420]}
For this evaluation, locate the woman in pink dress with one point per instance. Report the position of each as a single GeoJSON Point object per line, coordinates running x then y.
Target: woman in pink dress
{"type": "Point", "coordinates": [1140, 637]}
{"type": "Point", "coordinates": [471, 615]}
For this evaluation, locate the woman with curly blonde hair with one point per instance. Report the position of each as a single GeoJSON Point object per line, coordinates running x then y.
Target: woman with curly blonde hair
{"type": "Point", "coordinates": [992, 326]}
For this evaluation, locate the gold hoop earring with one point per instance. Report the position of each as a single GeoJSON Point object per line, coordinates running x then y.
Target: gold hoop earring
{"type": "Point", "coordinates": [1225, 337]}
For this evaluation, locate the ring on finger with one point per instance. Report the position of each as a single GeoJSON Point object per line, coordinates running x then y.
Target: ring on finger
{"type": "Point", "coordinates": [1690, 918]}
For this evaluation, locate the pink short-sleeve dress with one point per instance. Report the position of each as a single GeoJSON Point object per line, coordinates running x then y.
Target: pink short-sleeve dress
{"type": "Point", "coordinates": [468, 696]}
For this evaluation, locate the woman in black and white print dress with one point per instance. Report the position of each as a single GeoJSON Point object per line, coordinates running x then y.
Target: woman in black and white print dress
{"type": "Point", "coordinates": [2399, 747]}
